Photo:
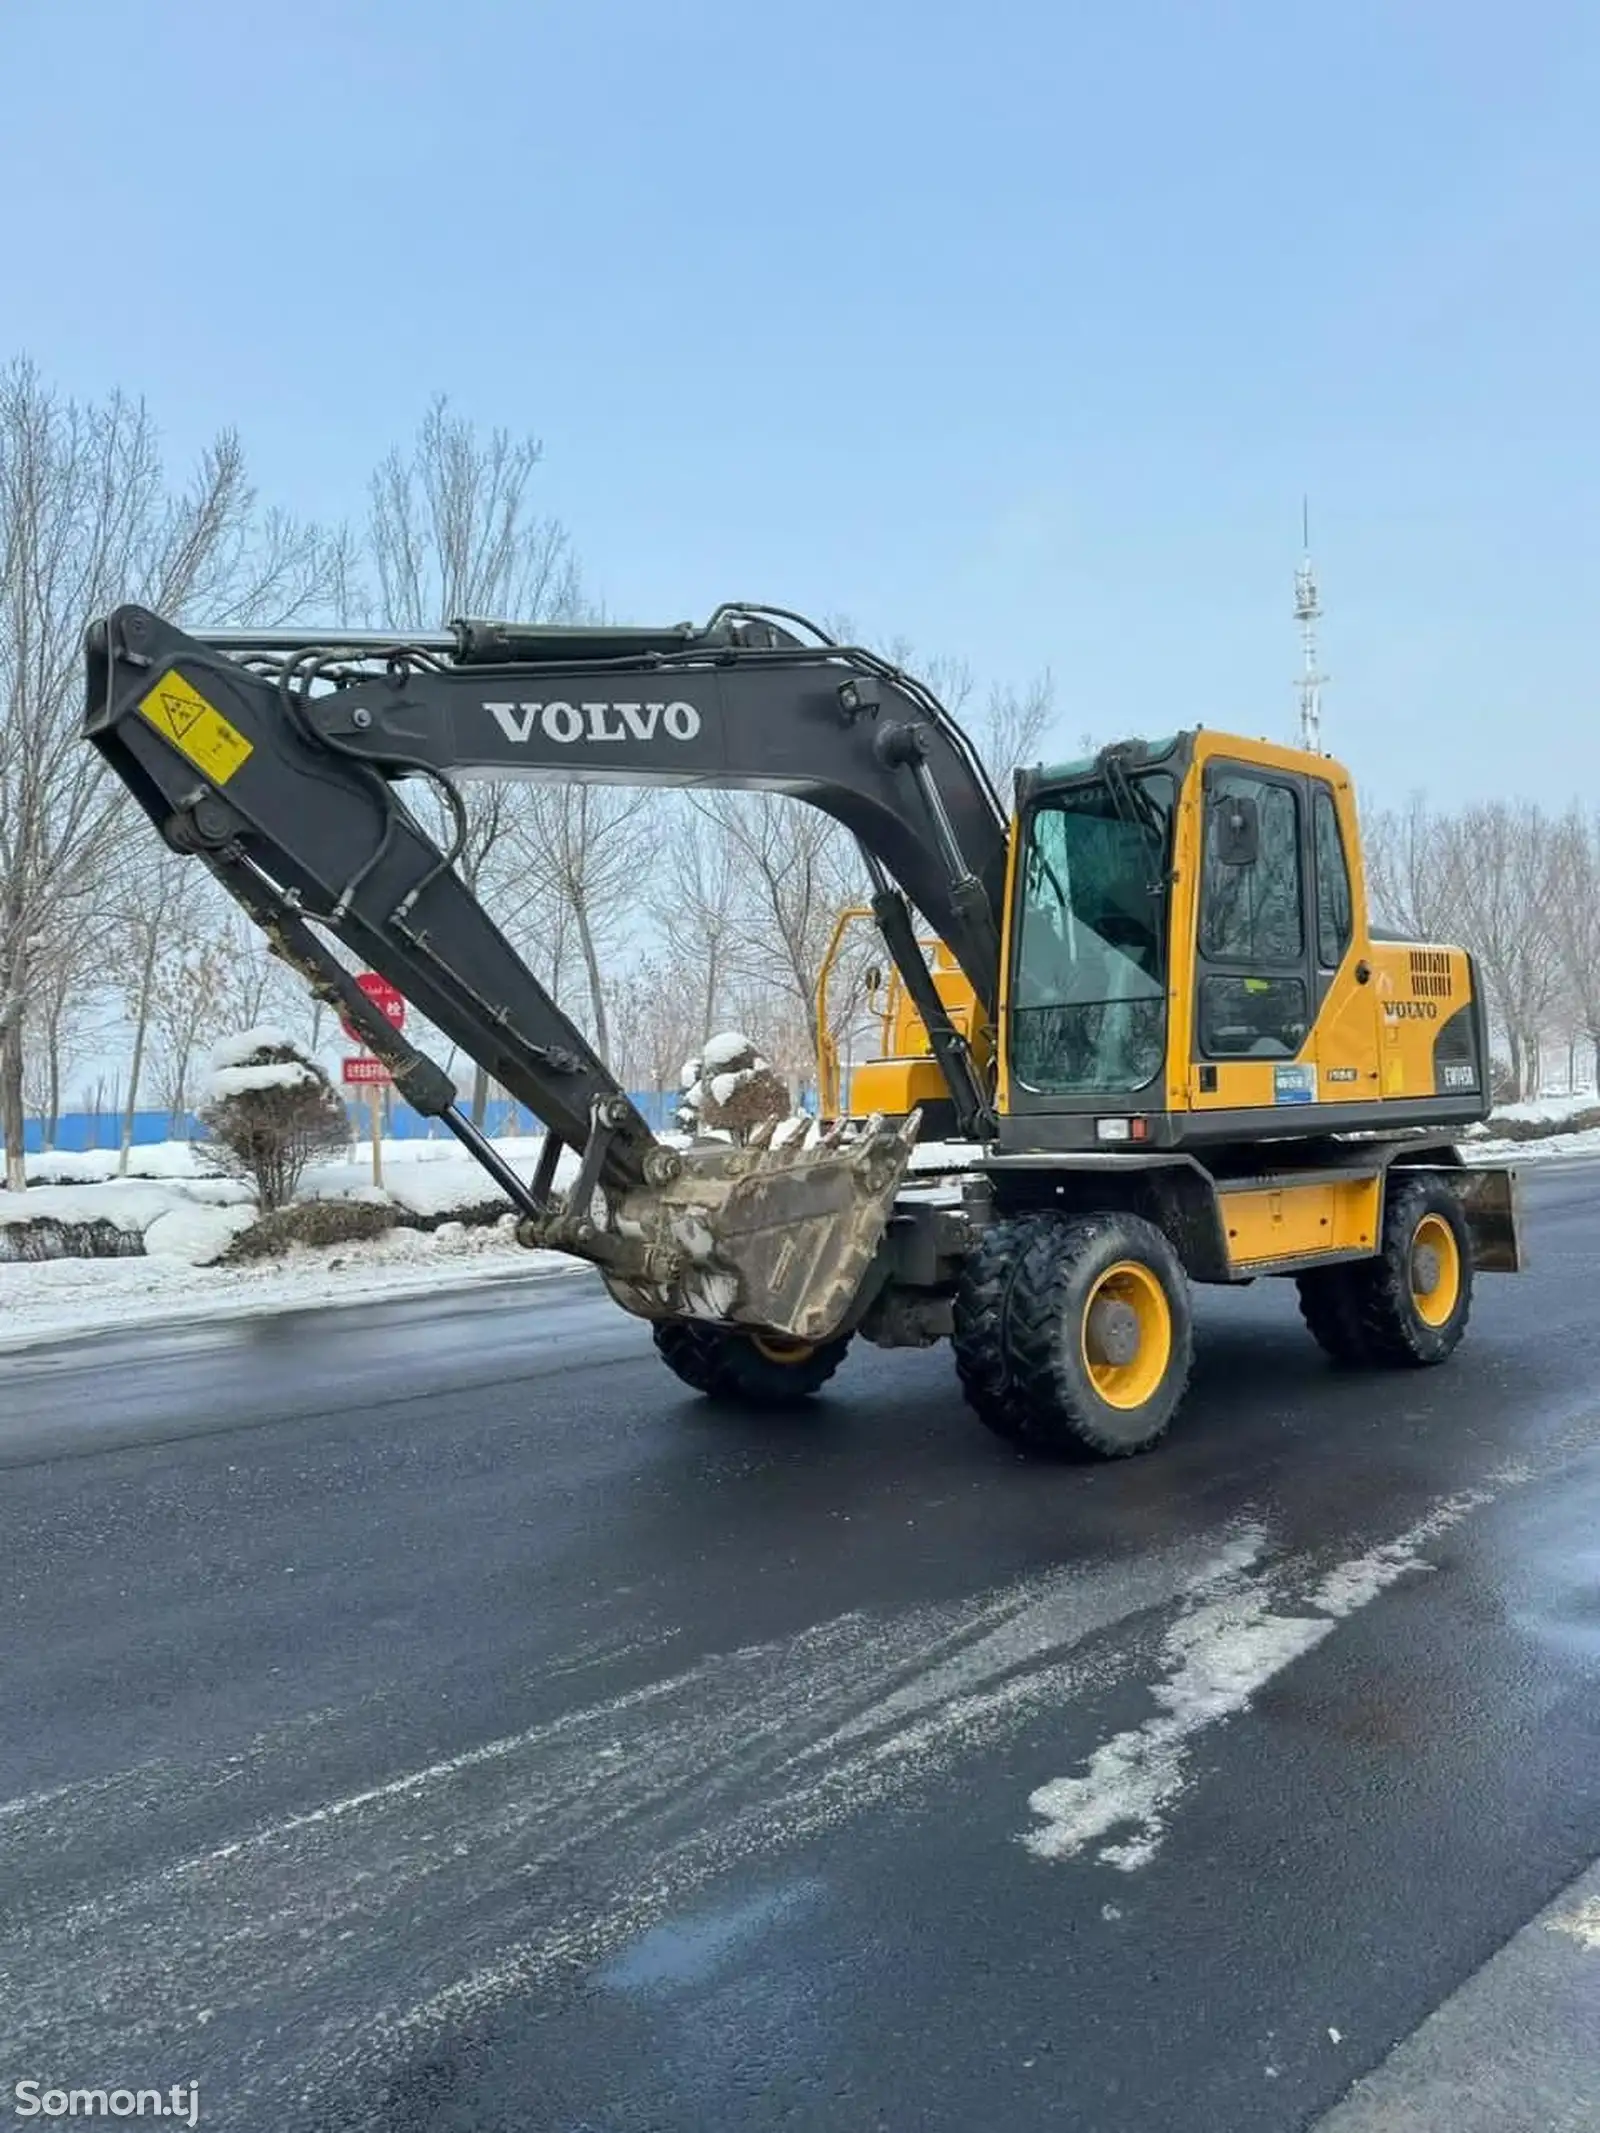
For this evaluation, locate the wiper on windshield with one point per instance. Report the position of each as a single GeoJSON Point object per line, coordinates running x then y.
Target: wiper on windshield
{"type": "Point", "coordinates": [1139, 811]}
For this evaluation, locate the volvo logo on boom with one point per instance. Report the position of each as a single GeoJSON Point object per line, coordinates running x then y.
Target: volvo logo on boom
{"type": "Point", "coordinates": [1411, 1010]}
{"type": "Point", "coordinates": [566, 724]}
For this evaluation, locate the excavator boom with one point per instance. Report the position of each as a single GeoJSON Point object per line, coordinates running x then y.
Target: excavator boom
{"type": "Point", "coordinates": [281, 761]}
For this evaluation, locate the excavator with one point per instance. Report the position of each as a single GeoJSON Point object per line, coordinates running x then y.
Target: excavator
{"type": "Point", "coordinates": [1157, 1023]}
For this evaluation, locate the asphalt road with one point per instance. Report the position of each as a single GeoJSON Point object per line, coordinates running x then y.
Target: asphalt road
{"type": "Point", "coordinates": [423, 1716]}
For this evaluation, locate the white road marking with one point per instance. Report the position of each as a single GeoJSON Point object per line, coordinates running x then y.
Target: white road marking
{"type": "Point", "coordinates": [1224, 1647]}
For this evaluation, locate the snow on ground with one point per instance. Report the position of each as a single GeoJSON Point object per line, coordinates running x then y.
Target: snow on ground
{"type": "Point", "coordinates": [58, 1298]}
{"type": "Point", "coordinates": [94, 1166]}
{"type": "Point", "coordinates": [428, 1178]}
{"type": "Point", "coordinates": [246, 1080]}
{"type": "Point", "coordinates": [187, 1215]}
{"type": "Point", "coordinates": [236, 1051]}
{"type": "Point", "coordinates": [1550, 1110]}
{"type": "Point", "coordinates": [183, 1210]}
{"type": "Point", "coordinates": [1556, 1148]}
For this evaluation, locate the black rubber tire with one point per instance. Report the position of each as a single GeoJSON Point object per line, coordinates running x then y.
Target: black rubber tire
{"type": "Point", "coordinates": [1330, 1304]}
{"type": "Point", "coordinates": [725, 1365]}
{"type": "Point", "coordinates": [1060, 1265]}
{"type": "Point", "coordinates": [1392, 1328]}
{"type": "Point", "coordinates": [978, 1333]}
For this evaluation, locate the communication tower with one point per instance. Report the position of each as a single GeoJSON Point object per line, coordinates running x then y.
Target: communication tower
{"type": "Point", "coordinates": [1308, 613]}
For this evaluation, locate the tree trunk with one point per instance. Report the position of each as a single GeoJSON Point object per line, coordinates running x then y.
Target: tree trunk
{"type": "Point", "coordinates": [713, 976]}
{"type": "Point", "coordinates": [52, 1125]}
{"type": "Point", "coordinates": [597, 995]}
{"type": "Point", "coordinates": [141, 1027]}
{"type": "Point", "coordinates": [13, 1119]}
{"type": "Point", "coordinates": [480, 1095]}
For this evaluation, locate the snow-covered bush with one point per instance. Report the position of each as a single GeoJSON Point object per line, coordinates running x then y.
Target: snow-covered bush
{"type": "Point", "coordinates": [731, 1089]}
{"type": "Point", "coordinates": [314, 1223]}
{"type": "Point", "coordinates": [269, 1110]}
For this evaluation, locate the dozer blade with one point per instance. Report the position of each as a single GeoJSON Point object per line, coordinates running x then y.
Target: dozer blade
{"type": "Point", "coordinates": [776, 1237]}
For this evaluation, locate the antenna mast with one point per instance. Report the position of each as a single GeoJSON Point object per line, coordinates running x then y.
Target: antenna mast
{"type": "Point", "coordinates": [1308, 613]}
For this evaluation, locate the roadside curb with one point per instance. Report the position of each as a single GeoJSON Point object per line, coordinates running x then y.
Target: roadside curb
{"type": "Point", "coordinates": [433, 1282]}
{"type": "Point", "coordinates": [1513, 2050]}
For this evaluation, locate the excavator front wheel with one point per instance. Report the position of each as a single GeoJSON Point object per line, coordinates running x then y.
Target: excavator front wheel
{"type": "Point", "coordinates": [980, 1318]}
{"type": "Point", "coordinates": [746, 1369]}
{"type": "Point", "coordinates": [1099, 1334]}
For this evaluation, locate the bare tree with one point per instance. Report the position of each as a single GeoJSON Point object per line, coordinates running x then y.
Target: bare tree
{"type": "Point", "coordinates": [578, 847]}
{"type": "Point", "coordinates": [795, 870]}
{"type": "Point", "coordinates": [452, 531]}
{"type": "Point", "coordinates": [701, 883]}
{"type": "Point", "coordinates": [152, 885]}
{"type": "Point", "coordinates": [1577, 922]}
{"type": "Point", "coordinates": [654, 1018]}
{"type": "Point", "coordinates": [1410, 857]}
{"type": "Point", "coordinates": [60, 1025]}
{"type": "Point", "coordinates": [1011, 730]}
{"type": "Point", "coordinates": [88, 519]}
{"type": "Point", "coordinates": [252, 986]}
{"type": "Point", "coordinates": [1503, 863]}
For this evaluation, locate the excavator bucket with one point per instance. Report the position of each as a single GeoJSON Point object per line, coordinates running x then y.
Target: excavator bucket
{"type": "Point", "coordinates": [776, 1236]}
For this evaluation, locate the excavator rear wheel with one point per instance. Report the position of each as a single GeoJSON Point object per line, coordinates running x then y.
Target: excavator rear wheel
{"type": "Point", "coordinates": [746, 1369]}
{"type": "Point", "coordinates": [1330, 1304]}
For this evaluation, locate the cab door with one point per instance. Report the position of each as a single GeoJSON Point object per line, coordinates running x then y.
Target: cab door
{"type": "Point", "coordinates": [1346, 1037]}
{"type": "Point", "coordinates": [1255, 948]}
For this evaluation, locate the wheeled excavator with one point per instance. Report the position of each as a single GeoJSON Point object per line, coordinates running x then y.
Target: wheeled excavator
{"type": "Point", "coordinates": [1157, 1020]}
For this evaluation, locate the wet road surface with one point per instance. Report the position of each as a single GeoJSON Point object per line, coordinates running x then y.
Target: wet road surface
{"type": "Point", "coordinates": [422, 1716]}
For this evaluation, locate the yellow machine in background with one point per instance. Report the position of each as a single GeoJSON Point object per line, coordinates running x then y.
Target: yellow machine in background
{"type": "Point", "coordinates": [901, 1074]}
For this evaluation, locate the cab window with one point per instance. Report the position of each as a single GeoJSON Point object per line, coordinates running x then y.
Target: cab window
{"type": "Point", "coordinates": [1334, 921]}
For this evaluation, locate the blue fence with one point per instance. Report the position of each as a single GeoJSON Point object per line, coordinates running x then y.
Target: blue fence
{"type": "Point", "coordinates": [77, 1131]}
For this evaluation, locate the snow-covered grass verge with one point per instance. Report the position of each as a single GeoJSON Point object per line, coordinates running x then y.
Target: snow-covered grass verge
{"type": "Point", "coordinates": [180, 1208]}
{"type": "Point", "coordinates": [60, 1298]}
{"type": "Point", "coordinates": [192, 1220]}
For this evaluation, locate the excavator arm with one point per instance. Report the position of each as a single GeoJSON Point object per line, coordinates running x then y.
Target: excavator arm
{"type": "Point", "coordinates": [280, 759]}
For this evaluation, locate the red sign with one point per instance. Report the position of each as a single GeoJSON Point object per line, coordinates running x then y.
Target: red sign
{"type": "Point", "coordinates": [363, 1067]}
{"type": "Point", "coordinates": [383, 997]}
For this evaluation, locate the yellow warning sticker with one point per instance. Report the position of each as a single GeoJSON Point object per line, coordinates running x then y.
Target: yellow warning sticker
{"type": "Point", "coordinates": [180, 714]}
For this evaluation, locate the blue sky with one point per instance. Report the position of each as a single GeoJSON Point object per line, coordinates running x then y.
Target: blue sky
{"type": "Point", "coordinates": [1014, 330]}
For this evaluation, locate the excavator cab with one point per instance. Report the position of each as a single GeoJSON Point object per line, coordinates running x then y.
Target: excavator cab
{"type": "Point", "coordinates": [1189, 961]}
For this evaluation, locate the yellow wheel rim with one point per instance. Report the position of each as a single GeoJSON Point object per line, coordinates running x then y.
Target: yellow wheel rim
{"type": "Point", "coordinates": [1435, 1270]}
{"type": "Point", "coordinates": [1126, 1336]}
{"type": "Point", "coordinates": [778, 1348]}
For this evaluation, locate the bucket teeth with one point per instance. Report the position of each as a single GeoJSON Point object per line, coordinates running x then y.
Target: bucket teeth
{"type": "Point", "coordinates": [776, 1235]}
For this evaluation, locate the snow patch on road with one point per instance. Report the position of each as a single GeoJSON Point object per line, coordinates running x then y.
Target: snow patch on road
{"type": "Point", "coordinates": [1581, 1925]}
{"type": "Point", "coordinates": [1221, 1652]}
{"type": "Point", "coordinates": [650, 1793]}
{"type": "Point", "coordinates": [240, 1883]}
